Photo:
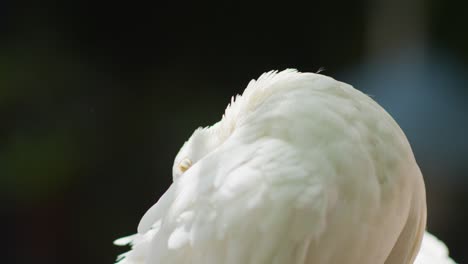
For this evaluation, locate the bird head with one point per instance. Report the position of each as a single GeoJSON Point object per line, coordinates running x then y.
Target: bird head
{"type": "Point", "coordinates": [240, 116]}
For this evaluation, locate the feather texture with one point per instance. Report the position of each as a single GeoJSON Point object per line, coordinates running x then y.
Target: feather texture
{"type": "Point", "coordinates": [300, 169]}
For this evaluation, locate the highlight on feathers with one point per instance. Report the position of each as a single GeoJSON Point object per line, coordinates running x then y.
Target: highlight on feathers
{"type": "Point", "coordinates": [300, 169]}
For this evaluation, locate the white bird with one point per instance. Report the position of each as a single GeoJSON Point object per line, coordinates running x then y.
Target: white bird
{"type": "Point", "coordinates": [300, 169]}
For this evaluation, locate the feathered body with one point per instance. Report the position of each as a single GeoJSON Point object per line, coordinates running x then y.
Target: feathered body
{"type": "Point", "coordinates": [300, 169]}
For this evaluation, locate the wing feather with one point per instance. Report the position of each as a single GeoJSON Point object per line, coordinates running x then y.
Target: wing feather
{"type": "Point", "coordinates": [220, 224]}
{"type": "Point", "coordinates": [433, 251]}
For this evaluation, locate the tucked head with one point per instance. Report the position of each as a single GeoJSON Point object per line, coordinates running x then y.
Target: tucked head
{"type": "Point", "coordinates": [237, 114]}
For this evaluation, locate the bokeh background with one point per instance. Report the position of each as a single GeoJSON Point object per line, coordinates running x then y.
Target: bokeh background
{"type": "Point", "coordinates": [96, 99]}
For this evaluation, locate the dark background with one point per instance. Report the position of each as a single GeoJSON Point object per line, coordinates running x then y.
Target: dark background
{"type": "Point", "coordinates": [96, 99]}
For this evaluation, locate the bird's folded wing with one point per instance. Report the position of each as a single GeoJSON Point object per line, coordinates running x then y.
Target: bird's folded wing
{"type": "Point", "coordinates": [235, 214]}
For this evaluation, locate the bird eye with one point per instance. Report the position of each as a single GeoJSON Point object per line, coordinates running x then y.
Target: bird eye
{"type": "Point", "coordinates": [185, 164]}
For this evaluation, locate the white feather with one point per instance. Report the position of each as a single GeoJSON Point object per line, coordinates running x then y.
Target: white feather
{"type": "Point", "coordinates": [300, 169]}
{"type": "Point", "coordinates": [433, 251]}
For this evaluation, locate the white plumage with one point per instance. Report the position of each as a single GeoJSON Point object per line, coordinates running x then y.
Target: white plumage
{"type": "Point", "coordinates": [300, 169]}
